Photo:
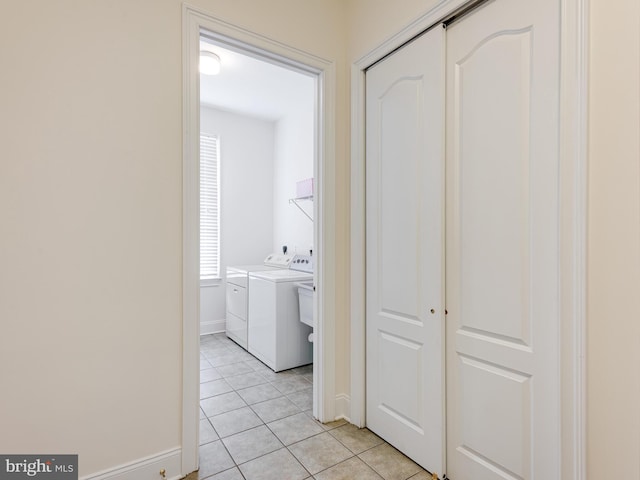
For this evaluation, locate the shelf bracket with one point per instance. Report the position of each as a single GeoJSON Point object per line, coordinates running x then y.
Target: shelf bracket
{"type": "Point", "coordinates": [295, 201]}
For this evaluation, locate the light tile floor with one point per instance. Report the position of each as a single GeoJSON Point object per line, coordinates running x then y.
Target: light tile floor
{"type": "Point", "coordinates": [258, 425]}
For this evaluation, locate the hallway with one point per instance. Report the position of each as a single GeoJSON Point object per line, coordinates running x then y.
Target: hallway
{"type": "Point", "coordinates": [257, 425]}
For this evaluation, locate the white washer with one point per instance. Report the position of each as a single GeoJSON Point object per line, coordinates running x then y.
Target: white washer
{"type": "Point", "coordinates": [276, 335]}
{"type": "Point", "coordinates": [237, 294]}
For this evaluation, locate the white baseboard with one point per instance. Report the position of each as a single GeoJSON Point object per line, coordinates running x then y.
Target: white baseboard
{"type": "Point", "coordinates": [212, 326]}
{"type": "Point", "coordinates": [343, 406]}
{"type": "Point", "coordinates": [147, 468]}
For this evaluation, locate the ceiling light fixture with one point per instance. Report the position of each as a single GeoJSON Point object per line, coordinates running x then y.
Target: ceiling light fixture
{"type": "Point", "coordinates": [209, 63]}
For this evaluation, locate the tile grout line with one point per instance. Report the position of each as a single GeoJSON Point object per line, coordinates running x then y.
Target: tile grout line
{"type": "Point", "coordinates": [231, 351]}
{"type": "Point", "coordinates": [283, 446]}
{"type": "Point", "coordinates": [289, 451]}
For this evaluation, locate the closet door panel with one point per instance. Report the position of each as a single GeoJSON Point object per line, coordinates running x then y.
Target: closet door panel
{"type": "Point", "coordinates": [405, 258]}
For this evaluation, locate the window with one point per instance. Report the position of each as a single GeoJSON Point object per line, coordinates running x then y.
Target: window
{"type": "Point", "coordinates": [209, 207]}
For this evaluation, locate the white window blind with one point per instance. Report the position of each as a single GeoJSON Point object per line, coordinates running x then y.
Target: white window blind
{"type": "Point", "coordinates": [209, 207]}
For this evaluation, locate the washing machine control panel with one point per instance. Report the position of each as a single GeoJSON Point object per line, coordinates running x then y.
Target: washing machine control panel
{"type": "Point", "coordinates": [282, 260]}
{"type": "Point", "coordinates": [302, 263]}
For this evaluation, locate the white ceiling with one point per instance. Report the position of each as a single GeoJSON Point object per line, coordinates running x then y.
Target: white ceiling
{"type": "Point", "coordinates": [254, 87]}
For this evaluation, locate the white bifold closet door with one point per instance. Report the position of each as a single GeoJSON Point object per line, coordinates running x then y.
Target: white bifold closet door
{"type": "Point", "coordinates": [502, 288]}
{"type": "Point", "coordinates": [492, 91]}
{"type": "Point", "coordinates": [404, 252]}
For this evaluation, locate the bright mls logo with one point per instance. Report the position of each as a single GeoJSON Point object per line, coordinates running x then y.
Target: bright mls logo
{"type": "Point", "coordinates": [49, 467]}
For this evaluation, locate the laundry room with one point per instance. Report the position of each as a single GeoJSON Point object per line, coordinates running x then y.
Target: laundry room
{"type": "Point", "coordinates": [257, 127]}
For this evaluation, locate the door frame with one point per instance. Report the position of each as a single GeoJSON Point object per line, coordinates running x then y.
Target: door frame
{"type": "Point", "coordinates": [573, 197]}
{"type": "Point", "coordinates": [194, 22]}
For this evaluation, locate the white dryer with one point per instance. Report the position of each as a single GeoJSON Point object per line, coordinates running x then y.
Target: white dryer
{"type": "Point", "coordinates": [237, 294]}
{"type": "Point", "coordinates": [276, 335]}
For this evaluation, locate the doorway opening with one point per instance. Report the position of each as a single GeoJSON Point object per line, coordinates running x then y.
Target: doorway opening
{"type": "Point", "coordinates": [261, 116]}
{"type": "Point", "coordinates": [273, 149]}
{"type": "Point", "coordinates": [257, 203]}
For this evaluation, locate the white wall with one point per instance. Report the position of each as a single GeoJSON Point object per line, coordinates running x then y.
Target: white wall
{"type": "Point", "coordinates": [246, 201]}
{"type": "Point", "coordinates": [373, 21]}
{"type": "Point", "coordinates": [613, 353]}
{"type": "Point", "coordinates": [91, 215]}
{"type": "Point", "coordinates": [91, 229]}
{"type": "Point", "coordinates": [294, 152]}
{"type": "Point", "coordinates": [261, 161]}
